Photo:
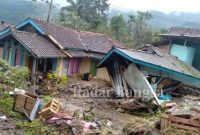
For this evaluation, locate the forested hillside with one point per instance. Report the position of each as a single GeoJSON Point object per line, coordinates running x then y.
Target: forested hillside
{"type": "Point", "coordinates": [163, 20]}
{"type": "Point", "coordinates": [14, 11]}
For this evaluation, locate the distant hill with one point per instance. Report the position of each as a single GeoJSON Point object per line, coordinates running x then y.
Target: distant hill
{"type": "Point", "coordinates": [13, 11]}
{"type": "Point", "coordinates": [162, 20]}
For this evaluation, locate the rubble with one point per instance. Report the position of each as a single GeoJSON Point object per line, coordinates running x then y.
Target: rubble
{"type": "Point", "coordinates": [184, 114]}
{"type": "Point", "coordinates": [147, 74]}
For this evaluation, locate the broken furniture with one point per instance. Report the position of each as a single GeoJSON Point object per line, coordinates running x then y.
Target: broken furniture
{"type": "Point", "coordinates": [50, 109]}
{"type": "Point", "coordinates": [26, 104]}
{"type": "Point", "coordinates": [168, 120]}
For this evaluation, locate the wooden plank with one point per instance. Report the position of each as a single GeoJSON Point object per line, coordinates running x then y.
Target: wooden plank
{"type": "Point", "coordinates": [185, 127]}
{"type": "Point", "coordinates": [165, 121]}
{"type": "Point", "coordinates": [163, 115]}
{"type": "Point", "coordinates": [196, 109]}
{"type": "Point", "coordinates": [29, 106]}
{"type": "Point", "coordinates": [185, 121]}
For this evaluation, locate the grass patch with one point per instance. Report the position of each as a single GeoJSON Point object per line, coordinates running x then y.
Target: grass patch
{"type": "Point", "coordinates": [35, 128]}
{"type": "Point", "coordinates": [47, 99]}
{"type": "Point", "coordinates": [30, 128]}
{"type": "Point", "coordinates": [6, 106]}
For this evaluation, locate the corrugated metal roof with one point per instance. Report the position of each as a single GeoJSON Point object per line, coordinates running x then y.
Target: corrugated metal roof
{"type": "Point", "coordinates": [187, 32]}
{"type": "Point", "coordinates": [156, 59]}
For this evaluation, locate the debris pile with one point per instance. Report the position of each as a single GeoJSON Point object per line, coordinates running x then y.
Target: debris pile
{"type": "Point", "coordinates": [184, 115]}
{"type": "Point", "coordinates": [148, 74]}
{"type": "Point", "coordinates": [93, 88]}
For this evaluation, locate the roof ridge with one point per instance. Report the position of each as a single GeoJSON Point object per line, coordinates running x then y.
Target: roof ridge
{"type": "Point", "coordinates": [26, 32]}
{"type": "Point", "coordinates": [184, 28]}
{"type": "Point", "coordinates": [54, 24]}
{"type": "Point", "coordinates": [157, 48]}
{"type": "Point", "coordinates": [82, 43]}
{"type": "Point", "coordinates": [90, 32]}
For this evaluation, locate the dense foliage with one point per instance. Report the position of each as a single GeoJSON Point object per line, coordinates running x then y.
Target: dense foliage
{"type": "Point", "coordinates": [13, 76]}
{"type": "Point", "coordinates": [91, 15]}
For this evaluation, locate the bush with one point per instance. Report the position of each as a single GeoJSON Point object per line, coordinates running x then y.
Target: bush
{"type": "Point", "coordinates": [6, 105]}
{"type": "Point", "coordinates": [13, 76]}
{"type": "Point", "coordinates": [56, 81]}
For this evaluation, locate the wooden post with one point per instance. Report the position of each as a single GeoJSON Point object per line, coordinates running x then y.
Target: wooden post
{"type": "Point", "coordinates": [54, 64]}
{"type": "Point", "coordinates": [22, 55]}
{"type": "Point", "coordinates": [170, 45]}
{"type": "Point", "coordinates": [34, 67]}
{"type": "Point", "coordinates": [13, 50]}
{"type": "Point", "coordinates": [45, 66]}
{"type": "Point", "coordinates": [5, 53]}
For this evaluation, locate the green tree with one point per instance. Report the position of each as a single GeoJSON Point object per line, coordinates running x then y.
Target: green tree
{"type": "Point", "coordinates": [138, 29]}
{"type": "Point", "coordinates": [50, 3]}
{"type": "Point", "coordinates": [118, 27]}
{"type": "Point", "coordinates": [73, 21]}
{"type": "Point", "coordinates": [91, 11]}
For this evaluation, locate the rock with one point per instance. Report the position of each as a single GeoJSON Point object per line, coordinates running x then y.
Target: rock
{"type": "Point", "coordinates": [3, 118]}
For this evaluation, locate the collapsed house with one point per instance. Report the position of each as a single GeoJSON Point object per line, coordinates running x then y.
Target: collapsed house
{"type": "Point", "coordinates": [43, 47]}
{"type": "Point", "coordinates": [144, 71]}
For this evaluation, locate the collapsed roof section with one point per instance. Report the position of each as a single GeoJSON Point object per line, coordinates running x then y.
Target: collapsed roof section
{"type": "Point", "coordinates": [130, 70]}
{"type": "Point", "coordinates": [155, 62]}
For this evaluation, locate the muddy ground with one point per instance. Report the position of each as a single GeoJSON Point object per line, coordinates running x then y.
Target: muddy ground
{"type": "Point", "coordinates": [8, 127]}
{"type": "Point", "coordinates": [107, 111]}
{"type": "Point", "coordinates": [107, 108]}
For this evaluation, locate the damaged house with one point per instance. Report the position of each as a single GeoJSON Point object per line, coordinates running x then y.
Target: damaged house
{"type": "Point", "coordinates": [146, 72]}
{"type": "Point", "coordinates": [42, 46]}
{"type": "Point", "coordinates": [183, 43]}
{"type": "Point", "coordinates": [3, 25]}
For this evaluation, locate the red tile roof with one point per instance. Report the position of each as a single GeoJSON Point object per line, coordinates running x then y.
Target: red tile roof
{"type": "Point", "coordinates": [68, 38]}
{"type": "Point", "coordinates": [96, 42]}
{"type": "Point", "coordinates": [38, 45]}
{"type": "Point", "coordinates": [73, 40]}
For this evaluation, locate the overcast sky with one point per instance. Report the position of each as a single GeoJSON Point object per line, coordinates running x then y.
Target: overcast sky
{"type": "Point", "coordinates": [160, 5]}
